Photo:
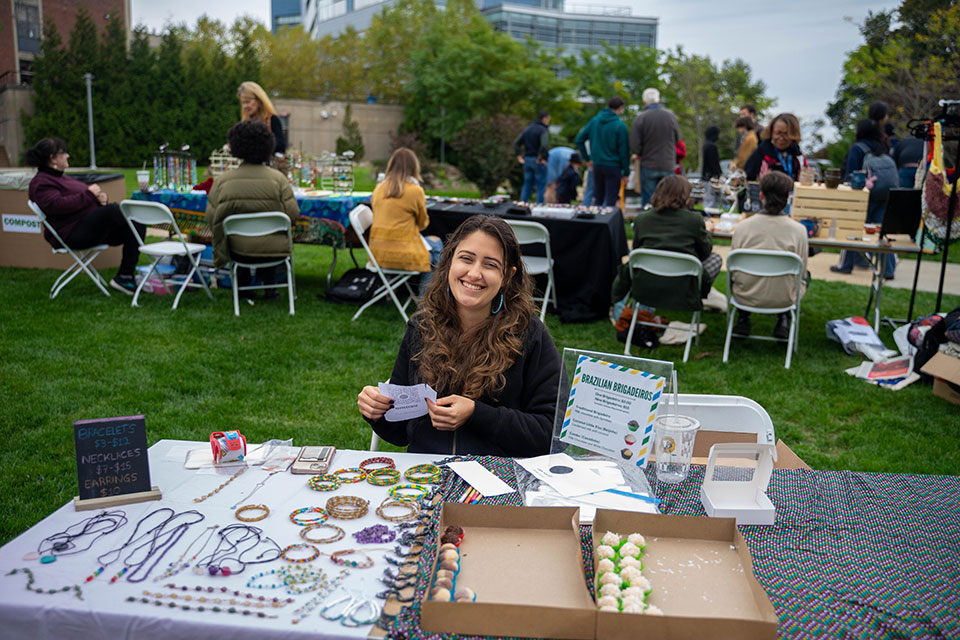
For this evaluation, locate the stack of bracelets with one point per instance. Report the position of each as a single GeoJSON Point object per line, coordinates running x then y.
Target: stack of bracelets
{"type": "Point", "coordinates": [324, 482]}
{"type": "Point", "coordinates": [338, 533]}
{"type": "Point", "coordinates": [423, 474]}
{"type": "Point", "coordinates": [320, 518]}
{"type": "Point", "coordinates": [411, 510]}
{"type": "Point", "coordinates": [409, 492]}
{"type": "Point", "coordinates": [349, 476]}
{"type": "Point", "coordinates": [347, 507]}
{"type": "Point", "coordinates": [381, 471]}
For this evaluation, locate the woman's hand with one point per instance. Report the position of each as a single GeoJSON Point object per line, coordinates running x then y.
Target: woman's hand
{"type": "Point", "coordinates": [450, 412]}
{"type": "Point", "coordinates": [102, 198]}
{"type": "Point", "coordinates": [372, 403]}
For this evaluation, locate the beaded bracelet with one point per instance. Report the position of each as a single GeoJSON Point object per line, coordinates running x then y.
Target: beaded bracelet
{"type": "Point", "coordinates": [412, 510]}
{"type": "Point", "coordinates": [377, 534]}
{"type": "Point", "coordinates": [324, 482]}
{"type": "Point", "coordinates": [337, 558]}
{"type": "Point", "coordinates": [252, 507]}
{"type": "Point", "coordinates": [202, 608]}
{"type": "Point", "coordinates": [314, 552]}
{"type": "Point", "coordinates": [383, 477]}
{"type": "Point", "coordinates": [217, 490]}
{"type": "Point", "coordinates": [347, 507]}
{"type": "Point", "coordinates": [351, 475]}
{"type": "Point", "coordinates": [320, 518]}
{"type": "Point", "coordinates": [423, 474]}
{"type": "Point", "coordinates": [387, 462]}
{"type": "Point", "coordinates": [409, 492]}
{"type": "Point", "coordinates": [338, 533]}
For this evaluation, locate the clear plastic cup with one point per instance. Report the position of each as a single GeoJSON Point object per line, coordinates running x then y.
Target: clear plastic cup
{"type": "Point", "coordinates": [143, 179]}
{"type": "Point", "coordinates": [674, 440]}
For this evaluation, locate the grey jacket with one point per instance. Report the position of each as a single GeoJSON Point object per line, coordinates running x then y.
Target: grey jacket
{"type": "Point", "coordinates": [654, 136]}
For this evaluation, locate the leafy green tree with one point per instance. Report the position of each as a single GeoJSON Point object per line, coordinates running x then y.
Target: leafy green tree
{"type": "Point", "coordinates": [54, 113]}
{"type": "Point", "coordinates": [612, 71]}
{"type": "Point", "coordinates": [484, 145]}
{"type": "Point", "coordinates": [388, 42]}
{"type": "Point", "coordinates": [351, 140]}
{"type": "Point", "coordinates": [291, 63]}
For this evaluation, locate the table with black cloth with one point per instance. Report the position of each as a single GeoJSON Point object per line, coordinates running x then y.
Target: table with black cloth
{"type": "Point", "coordinates": [852, 555]}
{"type": "Point", "coordinates": [586, 252]}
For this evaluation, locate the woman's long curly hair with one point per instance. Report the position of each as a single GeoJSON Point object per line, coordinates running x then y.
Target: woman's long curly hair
{"type": "Point", "coordinates": [474, 366]}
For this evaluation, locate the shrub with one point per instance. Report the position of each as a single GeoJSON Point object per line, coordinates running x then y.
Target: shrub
{"type": "Point", "coordinates": [485, 147]}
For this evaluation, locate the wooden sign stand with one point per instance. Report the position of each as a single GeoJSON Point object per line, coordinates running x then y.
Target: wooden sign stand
{"type": "Point", "coordinates": [116, 501]}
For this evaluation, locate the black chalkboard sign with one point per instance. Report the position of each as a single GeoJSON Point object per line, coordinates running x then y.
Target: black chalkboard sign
{"type": "Point", "coordinates": [112, 459]}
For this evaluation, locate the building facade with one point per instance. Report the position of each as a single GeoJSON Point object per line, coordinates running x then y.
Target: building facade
{"type": "Point", "coordinates": [285, 13]}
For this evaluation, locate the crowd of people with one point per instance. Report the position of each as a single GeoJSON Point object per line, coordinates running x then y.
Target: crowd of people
{"type": "Point", "coordinates": [475, 337]}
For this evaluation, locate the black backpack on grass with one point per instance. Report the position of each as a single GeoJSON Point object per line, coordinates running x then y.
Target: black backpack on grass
{"type": "Point", "coordinates": [356, 286]}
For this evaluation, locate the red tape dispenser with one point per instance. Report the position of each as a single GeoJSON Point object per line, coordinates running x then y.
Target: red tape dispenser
{"type": "Point", "coordinates": [228, 446]}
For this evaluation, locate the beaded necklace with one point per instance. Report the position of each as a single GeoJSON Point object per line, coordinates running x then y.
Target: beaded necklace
{"type": "Point", "coordinates": [320, 596]}
{"type": "Point", "coordinates": [103, 560]}
{"type": "Point", "coordinates": [273, 602]}
{"type": "Point", "coordinates": [215, 608]}
{"type": "Point", "coordinates": [217, 490]}
{"type": "Point", "coordinates": [216, 562]}
{"type": "Point", "coordinates": [179, 565]}
{"type": "Point", "coordinates": [257, 602]}
{"type": "Point", "coordinates": [158, 549]}
{"type": "Point", "coordinates": [256, 488]}
{"type": "Point", "coordinates": [31, 580]}
{"type": "Point", "coordinates": [63, 543]}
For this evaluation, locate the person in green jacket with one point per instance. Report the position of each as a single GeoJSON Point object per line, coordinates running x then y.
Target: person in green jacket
{"type": "Point", "coordinates": [670, 226]}
{"type": "Point", "coordinates": [609, 154]}
{"type": "Point", "coordinates": [252, 187]}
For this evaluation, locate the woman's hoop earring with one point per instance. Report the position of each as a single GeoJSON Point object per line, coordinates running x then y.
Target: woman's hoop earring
{"type": "Point", "coordinates": [493, 311]}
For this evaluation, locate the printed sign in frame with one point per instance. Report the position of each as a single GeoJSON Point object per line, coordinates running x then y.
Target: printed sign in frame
{"type": "Point", "coordinates": [611, 408]}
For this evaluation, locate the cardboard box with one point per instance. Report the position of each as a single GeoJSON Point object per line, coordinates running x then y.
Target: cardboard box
{"type": "Point", "coordinates": [24, 249]}
{"type": "Point", "coordinates": [786, 458]}
{"type": "Point", "coordinates": [944, 369]}
{"type": "Point", "coordinates": [701, 573]}
{"type": "Point", "coordinates": [525, 565]}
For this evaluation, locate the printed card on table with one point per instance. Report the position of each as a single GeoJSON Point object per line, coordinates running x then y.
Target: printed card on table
{"type": "Point", "coordinates": [611, 409]}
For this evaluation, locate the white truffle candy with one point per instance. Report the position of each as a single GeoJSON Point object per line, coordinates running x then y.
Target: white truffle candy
{"type": "Point", "coordinates": [637, 539]}
{"type": "Point", "coordinates": [653, 610]}
{"type": "Point", "coordinates": [611, 608]}
{"type": "Point", "coordinates": [610, 590]}
{"type": "Point", "coordinates": [630, 575]}
{"type": "Point", "coordinates": [609, 601]}
{"type": "Point", "coordinates": [635, 591]}
{"type": "Point", "coordinates": [632, 606]}
{"type": "Point", "coordinates": [605, 551]}
{"type": "Point", "coordinates": [610, 539]}
{"type": "Point", "coordinates": [605, 566]}
{"type": "Point", "coordinates": [610, 578]}
{"type": "Point", "coordinates": [629, 550]}
{"type": "Point", "coordinates": [631, 562]}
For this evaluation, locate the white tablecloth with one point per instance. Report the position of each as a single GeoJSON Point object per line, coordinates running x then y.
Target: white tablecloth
{"type": "Point", "coordinates": [104, 611]}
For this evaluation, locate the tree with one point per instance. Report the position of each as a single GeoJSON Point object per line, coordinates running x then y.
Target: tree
{"type": "Point", "coordinates": [291, 63]}
{"type": "Point", "coordinates": [351, 139]}
{"type": "Point", "coordinates": [388, 42]}
{"type": "Point", "coordinates": [485, 147]}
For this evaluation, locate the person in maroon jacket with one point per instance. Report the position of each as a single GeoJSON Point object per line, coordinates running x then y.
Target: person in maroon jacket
{"type": "Point", "coordinates": [79, 212]}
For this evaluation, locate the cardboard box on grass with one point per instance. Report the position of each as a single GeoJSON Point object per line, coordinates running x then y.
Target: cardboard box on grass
{"type": "Point", "coordinates": [944, 369]}
{"type": "Point", "coordinates": [701, 573]}
{"type": "Point", "coordinates": [525, 565]}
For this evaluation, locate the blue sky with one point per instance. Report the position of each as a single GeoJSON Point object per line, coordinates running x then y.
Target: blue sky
{"type": "Point", "coordinates": [796, 48]}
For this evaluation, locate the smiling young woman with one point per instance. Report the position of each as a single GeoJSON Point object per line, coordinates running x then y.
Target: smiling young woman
{"type": "Point", "coordinates": [476, 340]}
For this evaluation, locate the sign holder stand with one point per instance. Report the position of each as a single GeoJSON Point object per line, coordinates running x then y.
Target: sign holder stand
{"type": "Point", "coordinates": [115, 501]}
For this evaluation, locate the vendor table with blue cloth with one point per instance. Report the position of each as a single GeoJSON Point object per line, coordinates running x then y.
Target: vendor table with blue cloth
{"type": "Point", "coordinates": [852, 555]}
{"type": "Point", "coordinates": [586, 252]}
{"type": "Point", "coordinates": [323, 219]}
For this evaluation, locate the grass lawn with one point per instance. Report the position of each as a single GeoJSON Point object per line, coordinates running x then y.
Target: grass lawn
{"type": "Point", "coordinates": [200, 369]}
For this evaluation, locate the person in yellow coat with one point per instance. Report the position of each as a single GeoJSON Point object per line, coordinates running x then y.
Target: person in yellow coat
{"type": "Point", "coordinates": [399, 214]}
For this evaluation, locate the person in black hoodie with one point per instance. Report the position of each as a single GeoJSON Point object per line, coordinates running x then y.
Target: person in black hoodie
{"type": "Point", "coordinates": [778, 149]}
{"type": "Point", "coordinates": [532, 148]}
{"type": "Point", "coordinates": [711, 156]}
{"type": "Point", "coordinates": [569, 180]}
{"type": "Point", "coordinates": [477, 341]}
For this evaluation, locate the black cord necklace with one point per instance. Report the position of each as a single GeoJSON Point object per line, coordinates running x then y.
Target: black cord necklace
{"type": "Point", "coordinates": [216, 562]}
{"type": "Point", "coordinates": [65, 542]}
{"type": "Point", "coordinates": [158, 544]}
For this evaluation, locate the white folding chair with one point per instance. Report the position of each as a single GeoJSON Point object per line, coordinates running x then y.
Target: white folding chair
{"type": "Point", "coordinates": [666, 264]}
{"type": "Point", "coordinates": [763, 263]}
{"type": "Point", "coordinates": [360, 220]}
{"type": "Point", "coordinates": [82, 258]}
{"type": "Point", "coordinates": [253, 225]}
{"type": "Point", "coordinates": [155, 213]}
{"type": "Point", "coordinates": [535, 233]}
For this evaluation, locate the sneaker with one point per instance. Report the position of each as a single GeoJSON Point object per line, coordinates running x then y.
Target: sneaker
{"type": "Point", "coordinates": [838, 269]}
{"type": "Point", "coordinates": [742, 327]}
{"type": "Point", "coordinates": [126, 284]}
{"type": "Point", "coordinates": [782, 330]}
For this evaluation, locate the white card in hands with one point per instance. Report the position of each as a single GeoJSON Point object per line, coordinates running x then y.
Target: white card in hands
{"type": "Point", "coordinates": [408, 401]}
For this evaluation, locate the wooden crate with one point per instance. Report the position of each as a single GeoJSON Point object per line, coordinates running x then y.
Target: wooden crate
{"type": "Point", "coordinates": [843, 207]}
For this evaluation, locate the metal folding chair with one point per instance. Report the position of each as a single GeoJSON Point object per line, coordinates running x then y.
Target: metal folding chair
{"type": "Point", "coordinates": [155, 213]}
{"type": "Point", "coordinates": [535, 233]}
{"type": "Point", "coordinates": [260, 224]}
{"type": "Point", "coordinates": [82, 258]}
{"type": "Point", "coordinates": [667, 264]}
{"type": "Point", "coordinates": [360, 220]}
{"type": "Point", "coordinates": [766, 264]}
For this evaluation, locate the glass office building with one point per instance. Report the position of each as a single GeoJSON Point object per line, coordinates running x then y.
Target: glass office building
{"type": "Point", "coordinates": [285, 13]}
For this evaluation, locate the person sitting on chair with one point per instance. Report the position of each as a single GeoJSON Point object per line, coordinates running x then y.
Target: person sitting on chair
{"type": "Point", "coordinates": [670, 226]}
{"type": "Point", "coordinates": [399, 214]}
{"type": "Point", "coordinates": [252, 187]}
{"type": "Point", "coordinates": [771, 230]}
{"type": "Point", "coordinates": [475, 339]}
{"type": "Point", "coordinates": [80, 213]}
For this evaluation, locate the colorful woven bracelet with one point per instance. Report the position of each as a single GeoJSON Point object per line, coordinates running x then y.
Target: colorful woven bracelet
{"type": "Point", "coordinates": [349, 476]}
{"type": "Point", "coordinates": [383, 477]}
{"type": "Point", "coordinates": [387, 462]}
{"type": "Point", "coordinates": [409, 492]}
{"type": "Point", "coordinates": [314, 552]}
{"type": "Point", "coordinates": [320, 518]}
{"type": "Point", "coordinates": [423, 474]}
{"type": "Point", "coordinates": [337, 557]}
{"type": "Point", "coordinates": [324, 482]}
